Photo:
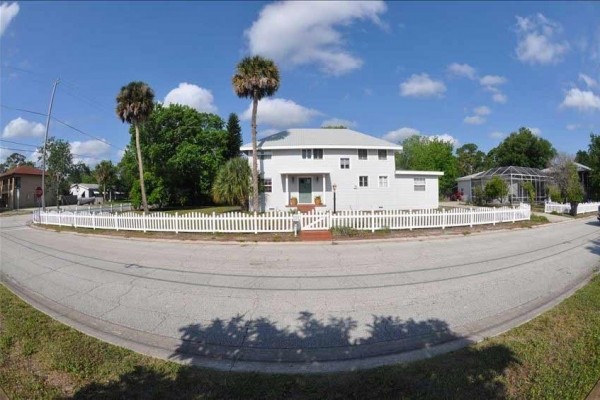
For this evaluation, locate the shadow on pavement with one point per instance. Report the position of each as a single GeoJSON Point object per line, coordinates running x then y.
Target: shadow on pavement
{"type": "Point", "coordinates": [471, 372]}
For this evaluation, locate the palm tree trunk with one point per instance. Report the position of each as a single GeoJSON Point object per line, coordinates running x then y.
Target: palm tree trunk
{"type": "Point", "coordinates": [254, 157]}
{"type": "Point", "coordinates": [140, 166]}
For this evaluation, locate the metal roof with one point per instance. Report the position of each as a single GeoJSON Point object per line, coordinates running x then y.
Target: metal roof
{"type": "Point", "coordinates": [506, 171]}
{"type": "Point", "coordinates": [322, 138]}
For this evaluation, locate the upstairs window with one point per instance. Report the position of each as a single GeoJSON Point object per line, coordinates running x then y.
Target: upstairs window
{"type": "Point", "coordinates": [382, 154]}
{"type": "Point", "coordinates": [362, 154]}
{"type": "Point", "coordinates": [419, 184]}
{"type": "Point", "coordinates": [383, 181]}
{"type": "Point", "coordinates": [344, 163]}
{"type": "Point", "coordinates": [363, 181]}
{"type": "Point", "coordinates": [306, 153]}
{"type": "Point", "coordinates": [318, 154]}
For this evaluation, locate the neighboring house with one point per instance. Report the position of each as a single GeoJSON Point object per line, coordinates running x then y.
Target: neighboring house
{"type": "Point", "coordinates": [304, 164]}
{"type": "Point", "coordinates": [583, 171]}
{"type": "Point", "coordinates": [18, 186]}
{"type": "Point", "coordinates": [85, 192]}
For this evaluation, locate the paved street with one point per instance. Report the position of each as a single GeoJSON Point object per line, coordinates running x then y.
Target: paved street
{"type": "Point", "coordinates": [297, 306]}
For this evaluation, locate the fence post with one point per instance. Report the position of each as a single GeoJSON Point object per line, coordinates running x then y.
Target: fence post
{"type": "Point", "coordinates": [372, 220]}
{"type": "Point", "coordinates": [144, 221]}
{"type": "Point", "coordinates": [494, 221]}
{"type": "Point", "coordinates": [410, 220]}
{"type": "Point", "coordinates": [59, 219]}
{"type": "Point", "coordinates": [176, 222]}
{"type": "Point", "coordinates": [472, 215]}
{"type": "Point", "coordinates": [255, 223]}
{"type": "Point", "coordinates": [443, 218]}
{"type": "Point", "coordinates": [94, 221]}
{"type": "Point", "coordinates": [514, 213]}
{"type": "Point", "coordinates": [116, 222]}
{"type": "Point", "coordinates": [213, 222]}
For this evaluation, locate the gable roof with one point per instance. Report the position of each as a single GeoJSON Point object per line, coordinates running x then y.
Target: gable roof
{"type": "Point", "coordinates": [87, 185]}
{"type": "Point", "coordinates": [325, 138]}
{"type": "Point", "coordinates": [23, 170]}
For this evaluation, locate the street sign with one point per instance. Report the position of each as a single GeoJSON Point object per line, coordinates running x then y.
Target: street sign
{"type": "Point", "coordinates": [38, 192]}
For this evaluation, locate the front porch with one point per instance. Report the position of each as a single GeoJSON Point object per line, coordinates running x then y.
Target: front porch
{"type": "Point", "coordinates": [307, 190]}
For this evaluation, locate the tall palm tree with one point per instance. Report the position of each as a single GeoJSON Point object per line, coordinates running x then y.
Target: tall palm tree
{"type": "Point", "coordinates": [255, 77]}
{"type": "Point", "coordinates": [135, 102]}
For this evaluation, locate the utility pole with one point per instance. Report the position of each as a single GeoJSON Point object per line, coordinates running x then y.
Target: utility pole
{"type": "Point", "coordinates": [56, 82]}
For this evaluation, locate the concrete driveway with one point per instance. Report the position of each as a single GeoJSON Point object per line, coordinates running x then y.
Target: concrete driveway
{"type": "Point", "coordinates": [297, 307]}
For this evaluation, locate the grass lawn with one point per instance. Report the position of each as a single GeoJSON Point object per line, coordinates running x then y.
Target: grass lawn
{"type": "Point", "coordinates": [556, 355]}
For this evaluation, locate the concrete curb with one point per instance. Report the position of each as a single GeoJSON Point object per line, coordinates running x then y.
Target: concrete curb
{"type": "Point", "coordinates": [164, 347]}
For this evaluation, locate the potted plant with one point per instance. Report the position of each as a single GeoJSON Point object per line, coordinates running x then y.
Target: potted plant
{"type": "Point", "coordinates": [294, 201]}
{"type": "Point", "coordinates": [318, 200]}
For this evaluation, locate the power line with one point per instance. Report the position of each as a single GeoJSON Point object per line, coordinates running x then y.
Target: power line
{"type": "Point", "coordinates": [19, 143]}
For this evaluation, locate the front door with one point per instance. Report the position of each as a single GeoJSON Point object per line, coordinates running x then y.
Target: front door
{"type": "Point", "coordinates": [305, 190]}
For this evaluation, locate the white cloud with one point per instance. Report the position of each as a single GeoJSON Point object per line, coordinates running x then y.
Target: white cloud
{"type": "Point", "coordinates": [400, 134]}
{"type": "Point", "coordinates": [499, 97]}
{"type": "Point", "coordinates": [21, 128]}
{"type": "Point", "coordinates": [7, 13]}
{"type": "Point", "coordinates": [482, 110]}
{"type": "Point", "coordinates": [474, 120]}
{"type": "Point", "coordinates": [94, 148]}
{"type": "Point", "coordinates": [492, 80]}
{"type": "Point", "coordinates": [338, 122]}
{"type": "Point", "coordinates": [497, 135]}
{"type": "Point", "coordinates": [535, 131]}
{"type": "Point", "coordinates": [280, 113]}
{"type": "Point", "coordinates": [537, 43]}
{"type": "Point", "coordinates": [421, 85]}
{"type": "Point", "coordinates": [572, 127]}
{"type": "Point", "coordinates": [582, 100]}
{"type": "Point", "coordinates": [191, 95]}
{"type": "Point", "coordinates": [589, 81]}
{"type": "Point", "coordinates": [463, 70]}
{"type": "Point", "coordinates": [300, 33]}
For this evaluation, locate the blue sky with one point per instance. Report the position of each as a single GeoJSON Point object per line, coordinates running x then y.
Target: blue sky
{"type": "Point", "coordinates": [469, 72]}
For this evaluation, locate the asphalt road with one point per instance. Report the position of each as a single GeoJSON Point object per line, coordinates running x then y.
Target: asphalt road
{"type": "Point", "coordinates": [297, 307]}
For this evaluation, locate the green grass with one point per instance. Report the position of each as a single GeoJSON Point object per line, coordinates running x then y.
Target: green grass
{"type": "Point", "coordinates": [555, 356]}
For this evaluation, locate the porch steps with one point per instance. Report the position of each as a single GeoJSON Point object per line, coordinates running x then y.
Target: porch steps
{"type": "Point", "coordinates": [304, 208]}
{"type": "Point", "coordinates": [316, 236]}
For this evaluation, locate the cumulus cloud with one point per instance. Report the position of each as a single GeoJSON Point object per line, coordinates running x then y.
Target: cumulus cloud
{"type": "Point", "coordinates": [497, 135]}
{"type": "Point", "coordinates": [588, 80]}
{"type": "Point", "coordinates": [300, 33]}
{"type": "Point", "coordinates": [490, 83]}
{"type": "Point", "coordinates": [537, 41]}
{"type": "Point", "coordinates": [482, 110]}
{"type": "Point", "coordinates": [421, 85]}
{"type": "Point", "coordinates": [399, 135]}
{"type": "Point", "coordinates": [463, 71]}
{"type": "Point", "coordinates": [7, 13]}
{"type": "Point", "coordinates": [339, 122]}
{"type": "Point", "coordinates": [582, 100]}
{"type": "Point", "coordinates": [474, 120]}
{"type": "Point", "coordinates": [499, 97]}
{"type": "Point", "coordinates": [191, 95]}
{"type": "Point", "coordinates": [280, 113]}
{"type": "Point", "coordinates": [22, 128]}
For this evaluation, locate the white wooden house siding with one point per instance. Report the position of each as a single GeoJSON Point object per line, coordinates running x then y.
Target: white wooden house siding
{"type": "Point", "coordinates": [286, 166]}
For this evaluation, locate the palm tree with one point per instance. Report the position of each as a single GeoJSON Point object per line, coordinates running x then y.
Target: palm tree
{"type": "Point", "coordinates": [232, 184]}
{"type": "Point", "coordinates": [135, 102]}
{"type": "Point", "coordinates": [256, 77]}
{"type": "Point", "coordinates": [105, 173]}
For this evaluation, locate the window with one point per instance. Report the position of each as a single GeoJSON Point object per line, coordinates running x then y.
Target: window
{"type": "Point", "coordinates": [383, 181]}
{"type": "Point", "coordinates": [306, 153]}
{"type": "Point", "coordinates": [344, 163]}
{"type": "Point", "coordinates": [363, 181]}
{"type": "Point", "coordinates": [318, 154]}
{"type": "Point", "coordinates": [362, 154]}
{"type": "Point", "coordinates": [382, 154]}
{"type": "Point", "coordinates": [419, 184]}
{"type": "Point", "coordinates": [266, 185]}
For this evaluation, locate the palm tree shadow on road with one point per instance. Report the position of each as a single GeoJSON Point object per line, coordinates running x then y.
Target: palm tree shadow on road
{"type": "Point", "coordinates": [471, 372]}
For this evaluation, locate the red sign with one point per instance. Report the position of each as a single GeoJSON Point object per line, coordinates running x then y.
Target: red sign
{"type": "Point", "coordinates": [38, 192]}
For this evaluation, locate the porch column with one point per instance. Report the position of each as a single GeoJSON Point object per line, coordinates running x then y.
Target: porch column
{"type": "Point", "coordinates": [287, 188]}
{"type": "Point", "coordinates": [324, 197]}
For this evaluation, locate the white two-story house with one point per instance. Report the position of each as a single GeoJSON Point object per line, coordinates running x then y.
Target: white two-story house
{"type": "Point", "coordinates": [308, 166]}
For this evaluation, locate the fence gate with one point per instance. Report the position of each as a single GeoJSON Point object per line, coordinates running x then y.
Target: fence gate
{"type": "Point", "coordinates": [314, 221]}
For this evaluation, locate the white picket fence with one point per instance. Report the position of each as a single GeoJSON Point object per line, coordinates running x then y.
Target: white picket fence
{"type": "Point", "coordinates": [102, 208]}
{"type": "Point", "coordinates": [582, 208]}
{"type": "Point", "coordinates": [282, 221]}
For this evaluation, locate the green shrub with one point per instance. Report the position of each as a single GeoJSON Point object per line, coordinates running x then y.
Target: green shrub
{"type": "Point", "coordinates": [344, 231]}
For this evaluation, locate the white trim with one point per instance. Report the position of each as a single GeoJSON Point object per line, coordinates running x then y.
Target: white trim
{"type": "Point", "coordinates": [320, 146]}
{"type": "Point", "coordinates": [426, 173]}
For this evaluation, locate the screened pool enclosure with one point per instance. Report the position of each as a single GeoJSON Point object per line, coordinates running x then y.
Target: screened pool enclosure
{"type": "Point", "coordinates": [515, 177]}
